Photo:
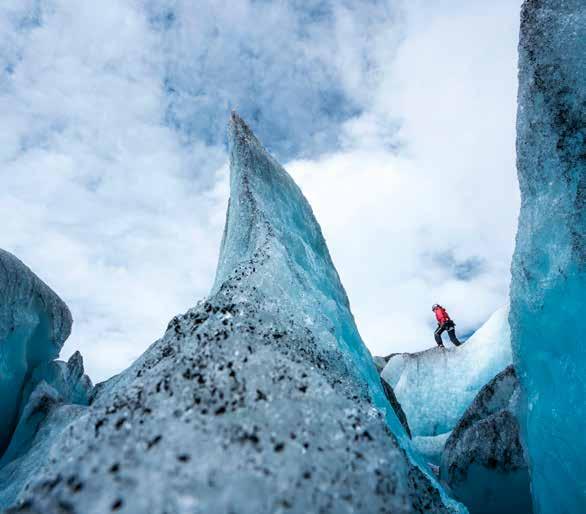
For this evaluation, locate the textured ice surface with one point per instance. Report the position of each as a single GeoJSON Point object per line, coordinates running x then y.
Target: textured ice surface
{"type": "Point", "coordinates": [436, 386]}
{"type": "Point", "coordinates": [49, 385]}
{"type": "Point", "coordinates": [483, 460]}
{"type": "Point", "coordinates": [52, 386]}
{"type": "Point", "coordinates": [34, 324]}
{"type": "Point", "coordinates": [548, 292]}
{"type": "Point", "coordinates": [431, 447]}
{"type": "Point", "coordinates": [16, 474]}
{"type": "Point", "coordinates": [261, 399]}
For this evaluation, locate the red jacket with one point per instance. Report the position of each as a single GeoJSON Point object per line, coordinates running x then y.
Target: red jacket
{"type": "Point", "coordinates": [441, 315]}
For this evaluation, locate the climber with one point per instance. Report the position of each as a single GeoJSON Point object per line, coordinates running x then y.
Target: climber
{"type": "Point", "coordinates": [444, 323]}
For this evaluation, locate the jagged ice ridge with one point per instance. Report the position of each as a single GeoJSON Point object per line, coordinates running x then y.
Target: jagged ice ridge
{"type": "Point", "coordinates": [262, 398]}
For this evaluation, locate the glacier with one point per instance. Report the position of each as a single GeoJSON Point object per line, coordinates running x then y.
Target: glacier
{"type": "Point", "coordinates": [548, 289]}
{"type": "Point", "coordinates": [483, 460]}
{"type": "Point", "coordinates": [461, 404]}
{"type": "Point", "coordinates": [49, 385]}
{"type": "Point", "coordinates": [261, 398]}
{"type": "Point", "coordinates": [34, 324]}
{"type": "Point", "coordinates": [436, 386]}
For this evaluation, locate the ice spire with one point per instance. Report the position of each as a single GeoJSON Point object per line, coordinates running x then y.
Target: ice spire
{"type": "Point", "coordinates": [274, 242]}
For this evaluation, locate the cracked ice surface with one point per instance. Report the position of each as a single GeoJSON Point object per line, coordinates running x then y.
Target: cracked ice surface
{"type": "Point", "coordinates": [260, 399]}
{"type": "Point", "coordinates": [548, 290]}
{"type": "Point", "coordinates": [34, 324]}
{"type": "Point", "coordinates": [436, 386]}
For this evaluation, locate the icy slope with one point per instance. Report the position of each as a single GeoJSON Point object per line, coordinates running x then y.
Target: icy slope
{"type": "Point", "coordinates": [259, 400]}
{"type": "Point", "coordinates": [548, 291]}
{"type": "Point", "coordinates": [483, 460]}
{"type": "Point", "coordinates": [34, 324]}
{"type": "Point", "coordinates": [436, 386]}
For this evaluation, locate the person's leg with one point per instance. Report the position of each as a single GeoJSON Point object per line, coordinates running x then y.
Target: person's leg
{"type": "Point", "coordinates": [438, 336]}
{"type": "Point", "coordinates": [452, 334]}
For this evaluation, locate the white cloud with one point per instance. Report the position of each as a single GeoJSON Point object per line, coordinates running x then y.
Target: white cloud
{"type": "Point", "coordinates": [113, 166]}
{"type": "Point", "coordinates": [437, 222]}
{"type": "Point", "coordinates": [96, 195]}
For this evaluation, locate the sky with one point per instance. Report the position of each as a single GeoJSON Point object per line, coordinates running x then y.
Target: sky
{"type": "Point", "coordinates": [396, 118]}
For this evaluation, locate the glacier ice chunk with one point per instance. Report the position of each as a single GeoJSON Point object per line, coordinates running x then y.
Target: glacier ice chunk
{"type": "Point", "coordinates": [436, 386]}
{"type": "Point", "coordinates": [483, 461]}
{"type": "Point", "coordinates": [49, 385]}
{"type": "Point", "coordinates": [16, 474]}
{"type": "Point", "coordinates": [548, 290]}
{"type": "Point", "coordinates": [260, 399]}
{"type": "Point", "coordinates": [34, 324]}
{"type": "Point", "coordinates": [67, 378]}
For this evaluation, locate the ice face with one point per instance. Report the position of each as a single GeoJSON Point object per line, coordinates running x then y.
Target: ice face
{"type": "Point", "coordinates": [16, 474]}
{"type": "Point", "coordinates": [436, 386]}
{"type": "Point", "coordinates": [260, 399]}
{"type": "Point", "coordinates": [483, 461]}
{"type": "Point", "coordinates": [34, 324]}
{"type": "Point", "coordinates": [400, 413]}
{"type": "Point", "coordinates": [270, 222]}
{"type": "Point", "coordinates": [548, 291]}
{"type": "Point", "coordinates": [49, 385]}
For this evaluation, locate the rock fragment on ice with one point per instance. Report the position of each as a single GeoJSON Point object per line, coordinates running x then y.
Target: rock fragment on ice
{"type": "Point", "coordinates": [483, 460]}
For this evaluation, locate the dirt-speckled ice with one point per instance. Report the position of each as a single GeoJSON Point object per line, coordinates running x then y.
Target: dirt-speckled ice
{"type": "Point", "coordinates": [260, 399]}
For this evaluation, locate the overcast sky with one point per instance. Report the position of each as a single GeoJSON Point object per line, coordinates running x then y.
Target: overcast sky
{"type": "Point", "coordinates": [396, 118]}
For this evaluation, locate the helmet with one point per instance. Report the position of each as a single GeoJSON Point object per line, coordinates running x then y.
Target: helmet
{"type": "Point", "coordinates": [435, 306]}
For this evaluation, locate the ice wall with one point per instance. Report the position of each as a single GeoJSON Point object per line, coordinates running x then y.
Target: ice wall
{"type": "Point", "coordinates": [548, 291]}
{"type": "Point", "coordinates": [436, 386]}
{"type": "Point", "coordinates": [260, 399]}
{"type": "Point", "coordinates": [34, 324]}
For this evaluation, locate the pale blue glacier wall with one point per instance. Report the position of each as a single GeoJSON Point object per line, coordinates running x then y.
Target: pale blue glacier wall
{"type": "Point", "coordinates": [548, 291]}
{"type": "Point", "coordinates": [34, 324]}
{"type": "Point", "coordinates": [48, 386]}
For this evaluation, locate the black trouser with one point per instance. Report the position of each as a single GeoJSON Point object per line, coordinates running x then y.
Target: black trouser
{"type": "Point", "coordinates": [450, 326]}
